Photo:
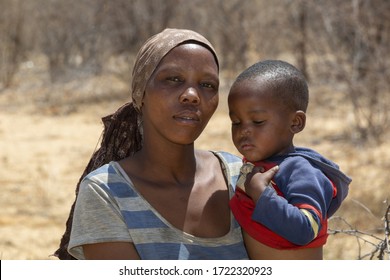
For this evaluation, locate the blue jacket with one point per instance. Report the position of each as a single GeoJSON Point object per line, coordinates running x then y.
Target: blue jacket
{"type": "Point", "coordinates": [306, 183]}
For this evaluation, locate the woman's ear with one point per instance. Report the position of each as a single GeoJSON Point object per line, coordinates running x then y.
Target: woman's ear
{"type": "Point", "coordinates": [298, 122]}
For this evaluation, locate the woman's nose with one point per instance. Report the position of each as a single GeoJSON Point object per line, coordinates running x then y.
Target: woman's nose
{"type": "Point", "coordinates": [190, 95]}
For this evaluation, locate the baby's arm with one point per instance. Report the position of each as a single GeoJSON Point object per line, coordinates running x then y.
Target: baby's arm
{"type": "Point", "coordinates": [298, 215]}
{"type": "Point", "coordinates": [257, 181]}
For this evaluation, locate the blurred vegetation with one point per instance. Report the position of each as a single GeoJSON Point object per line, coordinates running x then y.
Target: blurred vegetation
{"type": "Point", "coordinates": [341, 45]}
{"type": "Point", "coordinates": [378, 241]}
{"type": "Point", "coordinates": [335, 42]}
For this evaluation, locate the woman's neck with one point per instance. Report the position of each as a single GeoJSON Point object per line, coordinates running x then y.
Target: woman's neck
{"type": "Point", "coordinates": [176, 163]}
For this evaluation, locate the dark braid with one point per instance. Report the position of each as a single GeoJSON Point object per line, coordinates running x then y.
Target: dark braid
{"type": "Point", "coordinates": [121, 138]}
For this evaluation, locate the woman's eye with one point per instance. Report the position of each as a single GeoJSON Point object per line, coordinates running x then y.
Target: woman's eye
{"type": "Point", "coordinates": [208, 85]}
{"type": "Point", "coordinates": [174, 79]}
{"type": "Point", "coordinates": [258, 122]}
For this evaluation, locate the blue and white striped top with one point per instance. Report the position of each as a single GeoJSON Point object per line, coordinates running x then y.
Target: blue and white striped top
{"type": "Point", "coordinates": [109, 209]}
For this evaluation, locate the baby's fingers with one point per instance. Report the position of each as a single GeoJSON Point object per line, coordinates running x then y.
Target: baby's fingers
{"type": "Point", "coordinates": [269, 174]}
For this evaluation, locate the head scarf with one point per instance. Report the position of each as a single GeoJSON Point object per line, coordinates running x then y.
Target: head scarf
{"type": "Point", "coordinates": [122, 134]}
{"type": "Point", "coordinates": [153, 51]}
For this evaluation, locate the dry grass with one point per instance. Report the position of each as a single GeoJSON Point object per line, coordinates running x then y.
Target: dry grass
{"type": "Point", "coordinates": [46, 141]}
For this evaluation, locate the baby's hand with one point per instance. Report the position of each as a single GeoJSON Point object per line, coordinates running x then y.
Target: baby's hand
{"type": "Point", "coordinates": [258, 180]}
{"type": "Point", "coordinates": [245, 169]}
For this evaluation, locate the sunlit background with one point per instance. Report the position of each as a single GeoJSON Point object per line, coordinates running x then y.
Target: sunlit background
{"type": "Point", "coordinates": [66, 64]}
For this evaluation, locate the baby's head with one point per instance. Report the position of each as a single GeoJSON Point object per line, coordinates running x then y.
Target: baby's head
{"type": "Point", "coordinates": [283, 81]}
{"type": "Point", "coordinates": [267, 106]}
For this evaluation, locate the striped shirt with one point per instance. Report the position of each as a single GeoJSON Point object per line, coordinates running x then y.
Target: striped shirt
{"type": "Point", "coordinates": [109, 209]}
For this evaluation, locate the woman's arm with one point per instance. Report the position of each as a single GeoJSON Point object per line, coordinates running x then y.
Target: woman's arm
{"type": "Point", "coordinates": [98, 220]}
{"type": "Point", "coordinates": [110, 251]}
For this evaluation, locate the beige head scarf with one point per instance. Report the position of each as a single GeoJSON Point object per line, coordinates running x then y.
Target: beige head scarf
{"type": "Point", "coordinates": [122, 133]}
{"type": "Point", "coordinates": [153, 51]}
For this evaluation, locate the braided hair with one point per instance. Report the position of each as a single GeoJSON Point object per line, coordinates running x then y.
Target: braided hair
{"type": "Point", "coordinates": [121, 138]}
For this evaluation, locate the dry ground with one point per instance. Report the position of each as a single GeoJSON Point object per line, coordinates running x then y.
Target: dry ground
{"type": "Point", "coordinates": [45, 143]}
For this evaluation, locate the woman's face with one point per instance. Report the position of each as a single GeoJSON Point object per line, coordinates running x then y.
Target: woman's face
{"type": "Point", "coordinates": [181, 95]}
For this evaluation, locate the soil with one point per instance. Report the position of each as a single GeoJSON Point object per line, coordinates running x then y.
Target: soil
{"type": "Point", "coordinates": [45, 143]}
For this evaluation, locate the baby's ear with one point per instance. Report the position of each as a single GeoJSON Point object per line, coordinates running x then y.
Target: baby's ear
{"type": "Point", "coordinates": [298, 122]}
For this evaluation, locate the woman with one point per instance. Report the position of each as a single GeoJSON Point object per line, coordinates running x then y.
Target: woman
{"type": "Point", "coordinates": [153, 196]}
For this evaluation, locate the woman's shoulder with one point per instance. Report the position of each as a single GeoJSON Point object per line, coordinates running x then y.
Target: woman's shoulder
{"type": "Point", "coordinates": [108, 176]}
{"type": "Point", "coordinates": [229, 162]}
{"type": "Point", "coordinates": [228, 157]}
{"type": "Point", "coordinates": [102, 172]}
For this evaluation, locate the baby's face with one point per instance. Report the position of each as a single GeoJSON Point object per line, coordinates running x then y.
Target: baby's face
{"type": "Point", "coordinates": [261, 124]}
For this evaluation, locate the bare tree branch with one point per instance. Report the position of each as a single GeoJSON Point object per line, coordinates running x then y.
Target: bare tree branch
{"type": "Point", "coordinates": [380, 244]}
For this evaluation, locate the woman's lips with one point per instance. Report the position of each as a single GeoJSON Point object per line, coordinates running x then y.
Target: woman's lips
{"type": "Point", "coordinates": [187, 117]}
